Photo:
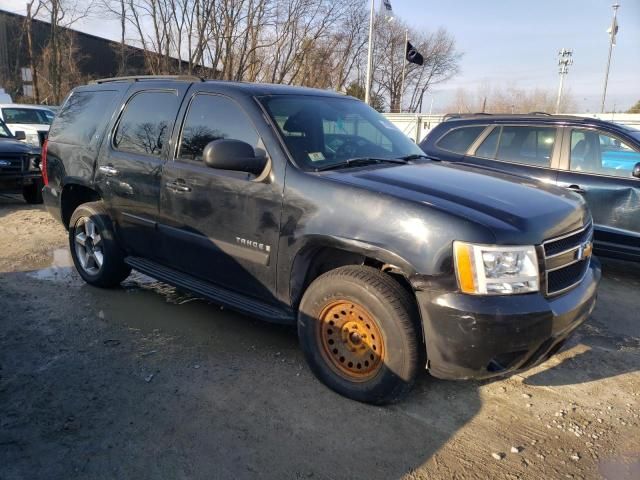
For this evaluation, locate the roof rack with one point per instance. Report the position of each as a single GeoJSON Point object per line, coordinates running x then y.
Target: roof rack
{"type": "Point", "coordinates": [539, 113]}
{"type": "Point", "coordinates": [138, 78]}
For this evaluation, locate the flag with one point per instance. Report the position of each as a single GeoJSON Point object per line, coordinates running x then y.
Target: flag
{"type": "Point", "coordinates": [413, 56]}
{"type": "Point", "coordinates": [613, 31]}
{"type": "Point", "coordinates": [387, 10]}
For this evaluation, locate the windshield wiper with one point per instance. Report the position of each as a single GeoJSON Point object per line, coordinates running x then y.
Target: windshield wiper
{"type": "Point", "coordinates": [360, 161]}
{"type": "Point", "coordinates": [416, 156]}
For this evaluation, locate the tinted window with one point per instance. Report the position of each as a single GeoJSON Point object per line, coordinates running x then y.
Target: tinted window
{"type": "Point", "coordinates": [597, 152]}
{"type": "Point", "coordinates": [145, 125]}
{"type": "Point", "coordinates": [487, 148]}
{"type": "Point", "coordinates": [210, 118]}
{"type": "Point", "coordinates": [327, 131]}
{"type": "Point", "coordinates": [82, 119]}
{"type": "Point", "coordinates": [528, 145]}
{"type": "Point", "coordinates": [460, 139]}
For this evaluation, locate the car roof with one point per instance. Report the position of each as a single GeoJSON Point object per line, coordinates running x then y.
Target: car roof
{"type": "Point", "coordinates": [455, 120]}
{"type": "Point", "coordinates": [25, 106]}
{"type": "Point", "coordinates": [246, 88]}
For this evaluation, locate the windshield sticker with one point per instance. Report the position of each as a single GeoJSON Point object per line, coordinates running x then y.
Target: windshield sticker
{"type": "Point", "coordinates": [316, 156]}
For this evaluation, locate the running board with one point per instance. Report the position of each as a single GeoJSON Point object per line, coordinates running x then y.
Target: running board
{"type": "Point", "coordinates": [218, 295]}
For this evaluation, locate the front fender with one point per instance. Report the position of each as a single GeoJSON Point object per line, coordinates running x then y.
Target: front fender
{"type": "Point", "coordinates": [343, 250]}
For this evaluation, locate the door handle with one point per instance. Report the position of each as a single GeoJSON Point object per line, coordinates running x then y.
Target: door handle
{"type": "Point", "coordinates": [108, 170]}
{"type": "Point", "coordinates": [575, 188]}
{"type": "Point", "coordinates": [178, 187]}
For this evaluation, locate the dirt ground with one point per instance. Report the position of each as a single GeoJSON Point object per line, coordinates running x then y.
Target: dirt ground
{"type": "Point", "coordinates": [145, 382]}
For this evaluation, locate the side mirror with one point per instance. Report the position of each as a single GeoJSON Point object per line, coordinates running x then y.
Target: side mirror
{"type": "Point", "coordinates": [636, 170]}
{"type": "Point", "coordinates": [20, 135]}
{"type": "Point", "coordinates": [226, 154]}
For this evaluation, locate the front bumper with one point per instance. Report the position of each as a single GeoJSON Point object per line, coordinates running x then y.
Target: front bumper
{"type": "Point", "coordinates": [19, 180]}
{"type": "Point", "coordinates": [484, 336]}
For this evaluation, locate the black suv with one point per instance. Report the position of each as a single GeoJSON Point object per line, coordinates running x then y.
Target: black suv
{"type": "Point", "coordinates": [307, 207]}
{"type": "Point", "coordinates": [597, 159]}
{"type": "Point", "coordinates": [19, 166]}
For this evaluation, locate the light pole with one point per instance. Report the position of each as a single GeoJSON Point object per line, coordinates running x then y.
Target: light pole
{"type": "Point", "coordinates": [612, 41]}
{"type": "Point", "coordinates": [367, 88]}
{"type": "Point", "coordinates": [564, 60]}
{"type": "Point", "coordinates": [404, 66]}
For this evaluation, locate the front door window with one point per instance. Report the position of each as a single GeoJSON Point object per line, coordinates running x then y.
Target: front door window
{"type": "Point", "coordinates": [602, 154]}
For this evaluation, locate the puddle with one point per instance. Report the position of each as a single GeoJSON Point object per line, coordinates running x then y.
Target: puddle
{"type": "Point", "coordinates": [60, 270]}
{"type": "Point", "coordinates": [139, 281]}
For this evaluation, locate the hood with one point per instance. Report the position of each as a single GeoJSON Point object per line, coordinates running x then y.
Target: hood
{"type": "Point", "coordinates": [517, 210]}
{"type": "Point", "coordinates": [11, 145]}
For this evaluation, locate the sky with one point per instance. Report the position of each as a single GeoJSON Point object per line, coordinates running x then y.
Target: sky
{"type": "Point", "coordinates": [514, 43]}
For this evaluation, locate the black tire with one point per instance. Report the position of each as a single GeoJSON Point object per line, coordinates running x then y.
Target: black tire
{"type": "Point", "coordinates": [112, 269]}
{"type": "Point", "coordinates": [32, 193]}
{"type": "Point", "coordinates": [391, 308]}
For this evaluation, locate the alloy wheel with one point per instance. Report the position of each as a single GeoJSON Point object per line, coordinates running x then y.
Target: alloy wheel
{"type": "Point", "coordinates": [88, 245]}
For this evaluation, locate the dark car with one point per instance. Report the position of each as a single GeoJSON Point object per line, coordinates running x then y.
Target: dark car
{"type": "Point", "coordinates": [19, 167]}
{"type": "Point", "coordinates": [309, 208]}
{"type": "Point", "coordinates": [597, 159]}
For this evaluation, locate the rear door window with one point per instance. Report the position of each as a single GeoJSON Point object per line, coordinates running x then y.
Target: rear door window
{"type": "Point", "coordinates": [460, 139]}
{"type": "Point", "coordinates": [528, 145]}
{"type": "Point", "coordinates": [82, 119]}
{"type": "Point", "coordinates": [145, 125]}
{"type": "Point", "coordinates": [602, 154]}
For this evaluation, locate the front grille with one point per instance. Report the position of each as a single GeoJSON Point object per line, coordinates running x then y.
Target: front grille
{"type": "Point", "coordinates": [565, 277]}
{"type": "Point", "coordinates": [567, 259]}
{"type": "Point", "coordinates": [11, 164]}
{"type": "Point", "coordinates": [553, 247]}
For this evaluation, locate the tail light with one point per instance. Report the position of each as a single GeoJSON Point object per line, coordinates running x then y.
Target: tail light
{"type": "Point", "coordinates": [43, 163]}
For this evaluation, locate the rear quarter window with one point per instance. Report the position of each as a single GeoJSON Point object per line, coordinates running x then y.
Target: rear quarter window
{"type": "Point", "coordinates": [82, 119]}
{"type": "Point", "coordinates": [460, 139]}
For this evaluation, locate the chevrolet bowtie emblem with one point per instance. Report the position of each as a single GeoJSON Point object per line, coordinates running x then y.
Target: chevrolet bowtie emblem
{"type": "Point", "coordinates": [584, 251]}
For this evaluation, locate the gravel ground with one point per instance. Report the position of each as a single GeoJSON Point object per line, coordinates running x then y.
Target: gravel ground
{"type": "Point", "coordinates": [146, 382]}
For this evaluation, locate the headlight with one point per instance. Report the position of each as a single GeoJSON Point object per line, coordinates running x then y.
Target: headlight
{"type": "Point", "coordinates": [496, 270]}
{"type": "Point", "coordinates": [34, 163]}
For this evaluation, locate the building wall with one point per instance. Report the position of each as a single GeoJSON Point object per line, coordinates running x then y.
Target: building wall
{"type": "Point", "coordinates": [96, 58]}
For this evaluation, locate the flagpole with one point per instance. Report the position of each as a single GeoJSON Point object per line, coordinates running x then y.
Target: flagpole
{"type": "Point", "coordinates": [404, 66]}
{"type": "Point", "coordinates": [367, 88]}
{"type": "Point", "coordinates": [612, 35]}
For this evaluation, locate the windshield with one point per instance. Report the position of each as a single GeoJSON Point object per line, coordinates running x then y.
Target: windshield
{"type": "Point", "coordinates": [4, 131]}
{"type": "Point", "coordinates": [323, 131]}
{"type": "Point", "coordinates": [27, 115]}
{"type": "Point", "coordinates": [635, 134]}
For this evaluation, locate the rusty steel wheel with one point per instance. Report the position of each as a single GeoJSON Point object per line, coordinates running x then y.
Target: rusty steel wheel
{"type": "Point", "coordinates": [358, 330]}
{"type": "Point", "coordinates": [351, 340]}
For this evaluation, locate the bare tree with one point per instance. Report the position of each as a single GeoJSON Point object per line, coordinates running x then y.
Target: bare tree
{"type": "Point", "coordinates": [318, 43]}
{"type": "Point", "coordinates": [30, 53]}
{"type": "Point", "coordinates": [61, 13]}
{"type": "Point", "coordinates": [501, 99]}
{"type": "Point", "coordinates": [440, 63]}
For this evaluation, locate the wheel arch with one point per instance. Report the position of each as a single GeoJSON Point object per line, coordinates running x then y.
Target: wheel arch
{"type": "Point", "coordinates": [74, 194]}
{"type": "Point", "coordinates": [322, 254]}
